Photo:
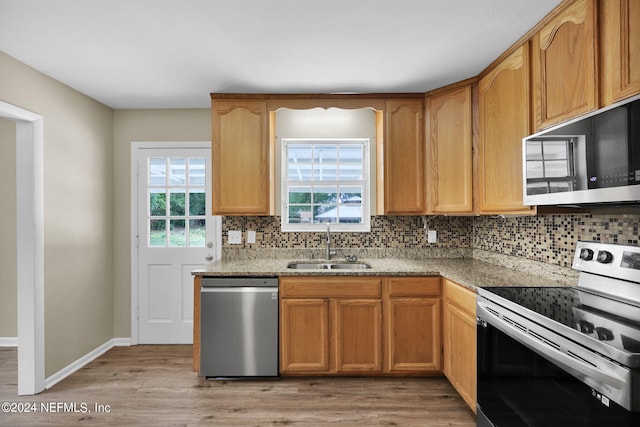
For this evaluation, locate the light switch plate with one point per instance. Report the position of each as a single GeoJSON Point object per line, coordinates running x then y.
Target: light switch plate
{"type": "Point", "coordinates": [251, 236]}
{"type": "Point", "coordinates": [432, 236]}
{"type": "Point", "coordinates": [234, 237]}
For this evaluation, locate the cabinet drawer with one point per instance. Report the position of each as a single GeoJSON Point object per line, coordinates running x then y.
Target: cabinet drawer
{"type": "Point", "coordinates": [413, 286]}
{"type": "Point", "coordinates": [462, 297]}
{"type": "Point", "coordinates": [330, 287]}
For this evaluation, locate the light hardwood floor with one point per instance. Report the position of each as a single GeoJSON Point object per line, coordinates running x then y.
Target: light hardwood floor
{"type": "Point", "coordinates": [153, 385]}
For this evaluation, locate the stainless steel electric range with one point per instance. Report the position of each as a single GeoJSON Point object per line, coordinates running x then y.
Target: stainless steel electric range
{"type": "Point", "coordinates": [566, 356]}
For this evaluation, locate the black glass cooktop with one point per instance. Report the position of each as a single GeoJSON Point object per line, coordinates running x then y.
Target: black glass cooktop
{"type": "Point", "coordinates": [555, 303]}
{"type": "Point", "coordinates": [566, 305]}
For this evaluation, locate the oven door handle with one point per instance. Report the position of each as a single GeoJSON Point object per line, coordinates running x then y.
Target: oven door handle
{"type": "Point", "coordinates": [576, 366]}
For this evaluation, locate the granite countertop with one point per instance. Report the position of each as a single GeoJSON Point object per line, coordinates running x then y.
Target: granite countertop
{"type": "Point", "coordinates": [469, 272]}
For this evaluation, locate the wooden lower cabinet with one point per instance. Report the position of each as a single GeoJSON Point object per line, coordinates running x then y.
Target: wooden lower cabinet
{"type": "Point", "coordinates": [459, 332]}
{"type": "Point", "coordinates": [330, 325]}
{"type": "Point", "coordinates": [357, 335]}
{"type": "Point", "coordinates": [412, 324]}
{"type": "Point", "coordinates": [355, 325]}
{"type": "Point", "coordinates": [304, 335]}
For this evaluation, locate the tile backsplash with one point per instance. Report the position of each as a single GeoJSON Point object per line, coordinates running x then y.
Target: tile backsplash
{"type": "Point", "coordinates": [547, 238]}
{"type": "Point", "coordinates": [551, 238]}
{"type": "Point", "coordinates": [389, 236]}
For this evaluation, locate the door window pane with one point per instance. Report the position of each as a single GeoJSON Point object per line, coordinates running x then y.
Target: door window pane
{"type": "Point", "coordinates": [197, 174]}
{"type": "Point", "coordinates": [174, 219]}
{"type": "Point", "coordinates": [177, 201]}
{"type": "Point", "coordinates": [157, 203]}
{"type": "Point", "coordinates": [197, 235]}
{"type": "Point", "coordinates": [157, 233]}
{"type": "Point", "coordinates": [178, 171]}
{"type": "Point", "coordinates": [177, 235]}
{"type": "Point", "coordinates": [197, 203]}
{"type": "Point", "coordinates": [157, 171]}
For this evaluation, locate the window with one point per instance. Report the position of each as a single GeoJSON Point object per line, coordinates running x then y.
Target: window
{"type": "Point", "coordinates": [325, 181]}
{"type": "Point", "coordinates": [176, 202]}
{"type": "Point", "coordinates": [550, 167]}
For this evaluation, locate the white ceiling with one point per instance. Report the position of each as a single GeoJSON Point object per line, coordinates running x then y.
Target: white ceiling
{"type": "Point", "coordinates": [173, 53]}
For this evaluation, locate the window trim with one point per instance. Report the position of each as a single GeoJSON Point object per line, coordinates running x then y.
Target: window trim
{"type": "Point", "coordinates": [365, 225]}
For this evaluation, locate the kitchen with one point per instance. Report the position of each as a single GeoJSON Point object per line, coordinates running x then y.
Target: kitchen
{"type": "Point", "coordinates": [104, 274]}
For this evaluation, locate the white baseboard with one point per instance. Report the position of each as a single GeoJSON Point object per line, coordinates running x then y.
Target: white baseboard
{"type": "Point", "coordinates": [84, 360]}
{"type": "Point", "coordinates": [8, 341]}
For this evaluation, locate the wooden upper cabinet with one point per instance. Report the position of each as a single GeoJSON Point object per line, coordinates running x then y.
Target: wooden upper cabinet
{"type": "Point", "coordinates": [503, 120]}
{"type": "Point", "coordinates": [619, 23]}
{"type": "Point", "coordinates": [403, 157]}
{"type": "Point", "coordinates": [241, 157]}
{"type": "Point", "coordinates": [449, 151]}
{"type": "Point", "coordinates": [564, 65]}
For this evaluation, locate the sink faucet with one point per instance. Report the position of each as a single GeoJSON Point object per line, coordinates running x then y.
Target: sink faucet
{"type": "Point", "coordinates": [329, 252]}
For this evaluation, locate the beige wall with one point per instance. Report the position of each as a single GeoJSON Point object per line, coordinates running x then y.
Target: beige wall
{"type": "Point", "coordinates": [138, 126]}
{"type": "Point", "coordinates": [8, 294]}
{"type": "Point", "coordinates": [78, 211]}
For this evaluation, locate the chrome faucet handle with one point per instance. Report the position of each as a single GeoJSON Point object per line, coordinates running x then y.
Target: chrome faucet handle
{"type": "Point", "coordinates": [351, 258]}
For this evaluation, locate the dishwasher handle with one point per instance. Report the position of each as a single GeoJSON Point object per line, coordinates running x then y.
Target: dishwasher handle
{"type": "Point", "coordinates": [239, 282]}
{"type": "Point", "coordinates": [244, 289]}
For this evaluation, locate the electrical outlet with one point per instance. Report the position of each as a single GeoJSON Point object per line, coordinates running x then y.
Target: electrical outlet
{"type": "Point", "coordinates": [234, 237]}
{"type": "Point", "coordinates": [251, 236]}
{"type": "Point", "coordinates": [432, 236]}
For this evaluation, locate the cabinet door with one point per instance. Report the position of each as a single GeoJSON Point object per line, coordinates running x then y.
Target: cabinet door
{"type": "Point", "coordinates": [413, 331]}
{"type": "Point", "coordinates": [564, 65]}
{"type": "Point", "coordinates": [241, 158]}
{"type": "Point", "coordinates": [503, 120]}
{"type": "Point", "coordinates": [620, 49]}
{"type": "Point", "coordinates": [304, 335]}
{"type": "Point", "coordinates": [459, 331]}
{"type": "Point", "coordinates": [404, 186]}
{"type": "Point", "coordinates": [357, 326]}
{"type": "Point", "coordinates": [449, 152]}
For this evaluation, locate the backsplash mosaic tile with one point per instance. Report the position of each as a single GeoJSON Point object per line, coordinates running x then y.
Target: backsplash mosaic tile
{"type": "Point", "coordinates": [551, 238]}
{"type": "Point", "coordinates": [389, 236]}
{"type": "Point", "coordinates": [525, 241]}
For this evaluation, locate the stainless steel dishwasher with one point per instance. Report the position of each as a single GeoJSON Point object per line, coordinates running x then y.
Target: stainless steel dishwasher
{"type": "Point", "coordinates": [239, 327]}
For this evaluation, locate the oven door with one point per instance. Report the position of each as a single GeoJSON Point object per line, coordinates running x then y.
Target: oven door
{"type": "Point", "coordinates": [519, 387]}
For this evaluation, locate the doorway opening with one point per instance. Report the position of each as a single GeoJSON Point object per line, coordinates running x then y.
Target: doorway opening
{"type": "Point", "coordinates": [29, 246]}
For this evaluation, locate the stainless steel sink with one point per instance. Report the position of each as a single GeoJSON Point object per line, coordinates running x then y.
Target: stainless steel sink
{"type": "Point", "coordinates": [349, 266]}
{"type": "Point", "coordinates": [305, 265]}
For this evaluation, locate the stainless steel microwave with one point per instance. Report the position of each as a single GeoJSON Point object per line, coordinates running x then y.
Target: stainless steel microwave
{"type": "Point", "coordinates": [590, 160]}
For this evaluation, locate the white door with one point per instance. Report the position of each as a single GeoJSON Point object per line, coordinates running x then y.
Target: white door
{"type": "Point", "coordinates": [175, 234]}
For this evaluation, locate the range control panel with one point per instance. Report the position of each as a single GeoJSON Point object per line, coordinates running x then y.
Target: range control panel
{"type": "Point", "coordinates": [606, 259]}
